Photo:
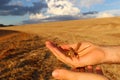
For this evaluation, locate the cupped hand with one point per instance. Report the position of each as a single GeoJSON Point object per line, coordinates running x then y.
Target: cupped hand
{"type": "Point", "coordinates": [89, 54]}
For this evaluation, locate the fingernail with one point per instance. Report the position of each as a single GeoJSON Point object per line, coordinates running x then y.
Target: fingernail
{"type": "Point", "coordinates": [55, 73]}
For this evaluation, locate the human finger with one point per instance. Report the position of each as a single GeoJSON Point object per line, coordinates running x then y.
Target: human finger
{"type": "Point", "coordinates": [90, 69]}
{"type": "Point", "coordinates": [71, 75]}
{"type": "Point", "coordinates": [58, 53]}
{"type": "Point", "coordinates": [98, 70]}
{"type": "Point", "coordinates": [66, 47]}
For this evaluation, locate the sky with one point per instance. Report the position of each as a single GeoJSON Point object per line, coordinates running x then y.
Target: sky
{"type": "Point", "coordinates": [19, 12]}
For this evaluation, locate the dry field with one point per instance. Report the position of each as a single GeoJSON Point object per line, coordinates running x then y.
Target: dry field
{"type": "Point", "coordinates": [23, 54]}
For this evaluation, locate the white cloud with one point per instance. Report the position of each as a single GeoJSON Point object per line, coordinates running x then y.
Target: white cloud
{"type": "Point", "coordinates": [64, 7]}
{"type": "Point", "coordinates": [38, 16]}
{"type": "Point", "coordinates": [57, 8]}
{"type": "Point", "coordinates": [109, 13]}
{"type": "Point", "coordinates": [103, 15]}
{"type": "Point", "coordinates": [61, 7]}
{"type": "Point", "coordinates": [114, 12]}
{"type": "Point", "coordinates": [89, 3]}
{"type": "Point", "coordinates": [65, 10]}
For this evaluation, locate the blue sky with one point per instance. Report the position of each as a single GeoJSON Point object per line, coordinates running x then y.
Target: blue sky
{"type": "Point", "coordinates": [34, 11]}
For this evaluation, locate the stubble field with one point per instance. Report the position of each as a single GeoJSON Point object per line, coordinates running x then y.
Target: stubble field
{"type": "Point", "coordinates": [23, 54]}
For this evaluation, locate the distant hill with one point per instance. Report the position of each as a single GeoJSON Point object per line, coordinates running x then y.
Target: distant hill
{"type": "Point", "coordinates": [2, 25]}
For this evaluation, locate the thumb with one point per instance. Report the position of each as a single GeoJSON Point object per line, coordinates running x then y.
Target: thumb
{"type": "Point", "coordinates": [63, 74]}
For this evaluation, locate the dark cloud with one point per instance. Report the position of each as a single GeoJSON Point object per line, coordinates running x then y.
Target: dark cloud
{"type": "Point", "coordinates": [4, 2]}
{"type": "Point", "coordinates": [6, 9]}
{"type": "Point", "coordinates": [54, 18]}
{"type": "Point", "coordinates": [62, 18]}
{"type": "Point", "coordinates": [37, 7]}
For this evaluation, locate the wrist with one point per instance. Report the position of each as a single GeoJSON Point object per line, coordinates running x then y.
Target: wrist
{"type": "Point", "coordinates": [112, 54]}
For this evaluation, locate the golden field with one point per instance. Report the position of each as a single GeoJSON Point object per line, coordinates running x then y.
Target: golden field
{"type": "Point", "coordinates": [24, 55]}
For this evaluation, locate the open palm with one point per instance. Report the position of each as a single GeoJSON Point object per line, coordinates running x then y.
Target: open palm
{"type": "Point", "coordinates": [92, 55]}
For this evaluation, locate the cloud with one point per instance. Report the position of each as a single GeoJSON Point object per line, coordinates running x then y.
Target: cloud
{"type": "Point", "coordinates": [61, 10]}
{"type": "Point", "coordinates": [17, 8]}
{"type": "Point", "coordinates": [57, 8]}
{"type": "Point", "coordinates": [61, 7]}
{"type": "Point", "coordinates": [65, 7]}
{"type": "Point", "coordinates": [89, 3]}
{"type": "Point", "coordinates": [38, 16]}
{"type": "Point", "coordinates": [109, 13]}
{"type": "Point", "coordinates": [52, 18]}
{"type": "Point", "coordinates": [103, 15]}
{"type": "Point", "coordinates": [17, 3]}
{"type": "Point", "coordinates": [4, 2]}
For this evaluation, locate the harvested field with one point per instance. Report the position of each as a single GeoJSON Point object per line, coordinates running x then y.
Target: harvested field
{"type": "Point", "coordinates": [23, 55]}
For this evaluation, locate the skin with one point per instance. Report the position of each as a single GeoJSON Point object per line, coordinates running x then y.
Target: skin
{"type": "Point", "coordinates": [71, 75]}
{"type": "Point", "coordinates": [92, 55]}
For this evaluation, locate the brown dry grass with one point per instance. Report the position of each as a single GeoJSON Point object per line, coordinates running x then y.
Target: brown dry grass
{"type": "Point", "coordinates": [24, 57]}
{"type": "Point", "coordinates": [104, 31]}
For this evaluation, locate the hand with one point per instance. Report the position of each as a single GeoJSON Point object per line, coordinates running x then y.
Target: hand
{"type": "Point", "coordinates": [71, 75]}
{"type": "Point", "coordinates": [92, 55]}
